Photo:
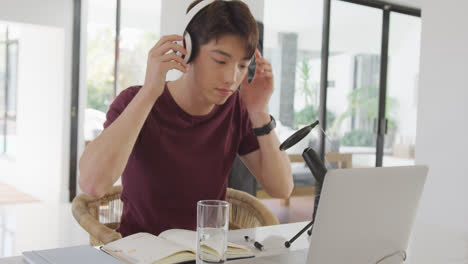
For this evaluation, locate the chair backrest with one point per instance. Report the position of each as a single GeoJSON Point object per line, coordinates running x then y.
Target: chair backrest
{"type": "Point", "coordinates": [247, 211]}
{"type": "Point", "coordinates": [344, 160]}
{"type": "Point", "coordinates": [100, 217]}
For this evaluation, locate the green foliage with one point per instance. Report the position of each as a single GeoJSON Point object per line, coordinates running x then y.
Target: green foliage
{"type": "Point", "coordinates": [133, 60]}
{"type": "Point", "coordinates": [358, 138]}
{"type": "Point", "coordinates": [364, 100]}
{"type": "Point", "coordinates": [100, 73]}
{"type": "Point", "coordinates": [308, 115]}
{"type": "Point", "coordinates": [100, 63]}
{"type": "Point", "coordinates": [99, 99]}
{"type": "Point", "coordinates": [368, 98]}
{"type": "Point", "coordinates": [305, 116]}
{"type": "Point", "coordinates": [304, 70]}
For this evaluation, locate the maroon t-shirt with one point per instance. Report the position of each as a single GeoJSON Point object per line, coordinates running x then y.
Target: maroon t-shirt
{"type": "Point", "coordinates": [179, 159]}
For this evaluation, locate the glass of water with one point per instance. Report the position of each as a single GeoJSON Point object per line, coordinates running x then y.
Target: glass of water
{"type": "Point", "coordinates": [212, 228]}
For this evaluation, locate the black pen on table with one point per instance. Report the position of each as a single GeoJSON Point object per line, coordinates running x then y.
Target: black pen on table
{"type": "Point", "coordinates": [257, 244]}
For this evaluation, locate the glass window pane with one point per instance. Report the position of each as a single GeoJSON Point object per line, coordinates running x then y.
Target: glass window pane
{"type": "Point", "coordinates": [8, 88]}
{"type": "Point", "coordinates": [402, 83]}
{"type": "Point", "coordinates": [353, 82]}
{"type": "Point", "coordinates": [2, 96]}
{"type": "Point", "coordinates": [101, 53]}
{"type": "Point", "coordinates": [12, 96]}
{"type": "Point", "coordinates": [292, 43]}
{"type": "Point", "coordinates": [140, 20]}
{"type": "Point", "coordinates": [2, 32]}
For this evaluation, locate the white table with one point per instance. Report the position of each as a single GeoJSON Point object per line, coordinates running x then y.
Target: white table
{"type": "Point", "coordinates": [12, 260]}
{"type": "Point", "coordinates": [430, 244]}
{"type": "Point", "coordinates": [272, 238]}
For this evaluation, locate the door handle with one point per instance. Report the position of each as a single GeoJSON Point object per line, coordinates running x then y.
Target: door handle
{"type": "Point", "coordinates": [383, 126]}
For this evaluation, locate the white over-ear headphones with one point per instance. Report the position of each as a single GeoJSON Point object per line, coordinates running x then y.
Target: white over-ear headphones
{"type": "Point", "coordinates": [187, 42]}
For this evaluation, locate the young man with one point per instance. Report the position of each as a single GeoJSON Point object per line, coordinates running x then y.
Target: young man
{"type": "Point", "coordinates": [174, 143]}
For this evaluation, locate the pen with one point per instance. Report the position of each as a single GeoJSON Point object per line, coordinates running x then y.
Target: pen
{"type": "Point", "coordinates": [257, 244]}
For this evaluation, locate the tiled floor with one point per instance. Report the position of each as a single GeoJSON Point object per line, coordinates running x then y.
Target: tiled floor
{"type": "Point", "coordinates": [38, 226]}
{"type": "Point", "coordinates": [11, 195]}
{"type": "Point", "coordinates": [299, 209]}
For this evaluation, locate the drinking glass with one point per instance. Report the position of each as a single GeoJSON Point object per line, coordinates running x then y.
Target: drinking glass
{"type": "Point", "coordinates": [212, 228]}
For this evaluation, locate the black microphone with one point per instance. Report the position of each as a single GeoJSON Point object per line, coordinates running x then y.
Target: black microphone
{"type": "Point", "coordinates": [318, 169]}
{"type": "Point", "coordinates": [315, 164]}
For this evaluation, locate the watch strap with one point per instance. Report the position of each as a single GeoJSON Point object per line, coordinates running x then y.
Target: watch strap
{"type": "Point", "coordinates": [266, 129]}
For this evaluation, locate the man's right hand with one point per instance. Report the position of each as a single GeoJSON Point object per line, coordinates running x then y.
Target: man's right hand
{"type": "Point", "coordinates": [103, 161]}
{"type": "Point", "coordinates": [162, 58]}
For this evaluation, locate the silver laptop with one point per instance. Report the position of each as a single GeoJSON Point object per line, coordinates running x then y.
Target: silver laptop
{"type": "Point", "coordinates": [364, 216]}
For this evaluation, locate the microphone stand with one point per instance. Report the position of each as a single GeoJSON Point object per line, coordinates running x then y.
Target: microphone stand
{"type": "Point", "coordinates": [318, 169]}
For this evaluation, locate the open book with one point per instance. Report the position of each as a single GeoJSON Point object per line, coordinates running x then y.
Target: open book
{"type": "Point", "coordinates": [171, 246]}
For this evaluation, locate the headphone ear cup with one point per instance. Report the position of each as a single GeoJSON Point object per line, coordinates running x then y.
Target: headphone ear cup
{"type": "Point", "coordinates": [187, 46]}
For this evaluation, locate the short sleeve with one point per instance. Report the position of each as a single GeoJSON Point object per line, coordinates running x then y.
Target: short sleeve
{"type": "Point", "coordinates": [249, 142]}
{"type": "Point", "coordinates": [119, 104]}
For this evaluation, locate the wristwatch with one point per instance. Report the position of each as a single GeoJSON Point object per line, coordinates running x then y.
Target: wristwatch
{"type": "Point", "coordinates": [264, 130]}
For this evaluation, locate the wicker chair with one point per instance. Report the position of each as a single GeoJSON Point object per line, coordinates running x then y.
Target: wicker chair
{"type": "Point", "coordinates": [100, 217]}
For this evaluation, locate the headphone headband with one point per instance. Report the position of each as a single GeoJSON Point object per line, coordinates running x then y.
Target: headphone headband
{"type": "Point", "coordinates": [194, 11]}
{"type": "Point", "coordinates": [187, 43]}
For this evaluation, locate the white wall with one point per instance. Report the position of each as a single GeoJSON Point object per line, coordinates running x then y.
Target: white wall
{"type": "Point", "coordinates": [441, 233]}
{"type": "Point", "coordinates": [56, 17]}
{"type": "Point", "coordinates": [40, 111]}
{"type": "Point", "coordinates": [45, 12]}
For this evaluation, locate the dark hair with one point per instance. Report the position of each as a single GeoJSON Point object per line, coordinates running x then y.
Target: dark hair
{"type": "Point", "coordinates": [222, 18]}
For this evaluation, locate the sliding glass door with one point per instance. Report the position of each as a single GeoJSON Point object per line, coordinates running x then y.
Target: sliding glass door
{"type": "Point", "coordinates": [353, 81]}
{"type": "Point", "coordinates": [371, 85]}
{"type": "Point", "coordinates": [402, 89]}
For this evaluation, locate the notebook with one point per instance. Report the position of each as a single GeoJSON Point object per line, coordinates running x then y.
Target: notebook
{"type": "Point", "coordinates": [171, 246]}
{"type": "Point", "coordinates": [69, 255]}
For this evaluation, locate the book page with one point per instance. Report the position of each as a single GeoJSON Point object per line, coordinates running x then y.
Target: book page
{"type": "Point", "coordinates": [188, 239]}
{"type": "Point", "coordinates": [143, 248]}
{"type": "Point", "coordinates": [238, 251]}
{"type": "Point", "coordinates": [236, 247]}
